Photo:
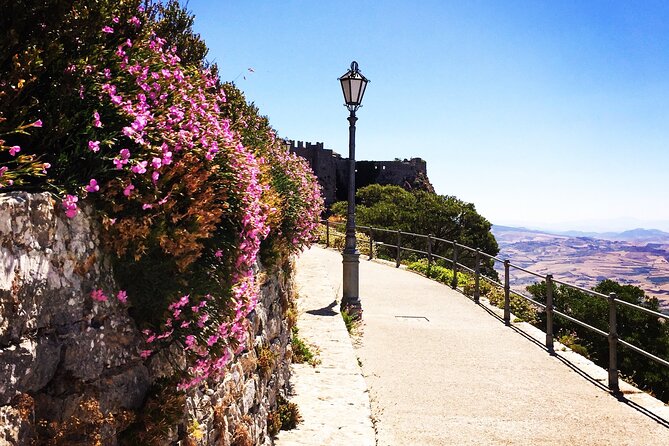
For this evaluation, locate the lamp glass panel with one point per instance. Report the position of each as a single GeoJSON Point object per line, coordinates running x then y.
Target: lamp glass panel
{"type": "Point", "coordinates": [355, 91]}
{"type": "Point", "coordinates": [346, 88]}
{"type": "Point", "coordinates": [362, 91]}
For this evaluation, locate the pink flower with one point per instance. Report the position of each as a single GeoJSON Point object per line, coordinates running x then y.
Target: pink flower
{"type": "Point", "coordinates": [139, 167]}
{"type": "Point", "coordinates": [98, 295]}
{"type": "Point", "coordinates": [70, 205]}
{"type": "Point", "coordinates": [128, 190]}
{"type": "Point", "coordinates": [190, 341]}
{"type": "Point", "coordinates": [37, 123]}
{"type": "Point", "coordinates": [134, 21]}
{"type": "Point", "coordinates": [146, 206]}
{"type": "Point", "coordinates": [3, 169]}
{"type": "Point", "coordinates": [14, 150]}
{"type": "Point", "coordinates": [108, 29]}
{"type": "Point", "coordinates": [96, 120]}
{"type": "Point", "coordinates": [92, 186]}
{"type": "Point", "coordinates": [45, 166]}
{"type": "Point", "coordinates": [94, 146]}
{"type": "Point", "coordinates": [167, 158]}
{"type": "Point", "coordinates": [202, 320]}
{"type": "Point", "coordinates": [145, 353]}
{"type": "Point", "coordinates": [218, 254]}
{"type": "Point", "coordinates": [122, 296]}
{"type": "Point", "coordinates": [212, 340]}
{"type": "Point", "coordinates": [115, 19]}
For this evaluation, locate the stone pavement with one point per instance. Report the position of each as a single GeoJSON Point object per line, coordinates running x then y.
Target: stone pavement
{"type": "Point", "coordinates": [332, 397]}
{"type": "Point", "coordinates": [444, 371]}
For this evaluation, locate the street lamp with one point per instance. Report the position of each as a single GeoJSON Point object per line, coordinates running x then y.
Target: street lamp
{"type": "Point", "coordinates": [353, 85]}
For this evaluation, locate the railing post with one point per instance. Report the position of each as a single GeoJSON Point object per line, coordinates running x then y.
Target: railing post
{"type": "Point", "coordinates": [549, 314]}
{"type": "Point", "coordinates": [327, 233]}
{"type": "Point", "coordinates": [507, 295]}
{"type": "Point", "coordinates": [454, 282]}
{"type": "Point", "coordinates": [429, 252]}
{"type": "Point", "coordinates": [371, 243]}
{"type": "Point", "coordinates": [613, 345]}
{"type": "Point", "coordinates": [399, 249]}
{"type": "Point", "coordinates": [477, 276]}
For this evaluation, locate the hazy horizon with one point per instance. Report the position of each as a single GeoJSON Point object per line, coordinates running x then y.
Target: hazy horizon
{"type": "Point", "coordinates": [590, 226]}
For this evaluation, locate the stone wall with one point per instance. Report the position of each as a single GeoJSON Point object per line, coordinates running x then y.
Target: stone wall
{"type": "Point", "coordinates": [70, 369]}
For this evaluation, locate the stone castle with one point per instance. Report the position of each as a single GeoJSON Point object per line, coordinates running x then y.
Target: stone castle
{"type": "Point", "coordinates": [332, 171]}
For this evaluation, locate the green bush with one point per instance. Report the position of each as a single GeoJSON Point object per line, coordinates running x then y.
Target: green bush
{"type": "Point", "coordinates": [421, 212]}
{"type": "Point", "coordinates": [438, 273]}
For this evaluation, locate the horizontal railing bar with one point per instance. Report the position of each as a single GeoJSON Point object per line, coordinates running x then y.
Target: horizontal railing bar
{"type": "Point", "coordinates": [413, 234]}
{"type": "Point", "coordinates": [643, 352]}
{"type": "Point", "coordinates": [386, 230]}
{"type": "Point", "coordinates": [582, 324]}
{"type": "Point", "coordinates": [466, 247]}
{"type": "Point", "coordinates": [485, 254]}
{"type": "Point", "coordinates": [532, 301]}
{"type": "Point", "coordinates": [413, 250]}
{"type": "Point", "coordinates": [585, 290]}
{"type": "Point", "coordinates": [492, 281]}
{"type": "Point", "coordinates": [529, 299]}
{"type": "Point", "coordinates": [526, 270]}
{"type": "Point", "coordinates": [646, 310]}
{"type": "Point", "coordinates": [442, 258]}
{"type": "Point", "coordinates": [437, 239]}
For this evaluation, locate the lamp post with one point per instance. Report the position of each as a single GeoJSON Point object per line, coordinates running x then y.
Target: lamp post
{"type": "Point", "coordinates": [353, 85]}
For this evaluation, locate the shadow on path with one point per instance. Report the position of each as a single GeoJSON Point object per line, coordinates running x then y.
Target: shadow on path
{"type": "Point", "coordinates": [325, 311]}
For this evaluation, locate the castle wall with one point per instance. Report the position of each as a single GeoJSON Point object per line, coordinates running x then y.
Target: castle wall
{"type": "Point", "coordinates": [332, 171]}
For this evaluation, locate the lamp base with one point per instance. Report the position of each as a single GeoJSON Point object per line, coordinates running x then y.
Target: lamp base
{"type": "Point", "coordinates": [351, 264]}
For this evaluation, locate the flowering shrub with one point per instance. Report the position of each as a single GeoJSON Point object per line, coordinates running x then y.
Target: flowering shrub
{"type": "Point", "coordinates": [294, 196]}
{"type": "Point", "coordinates": [188, 186]}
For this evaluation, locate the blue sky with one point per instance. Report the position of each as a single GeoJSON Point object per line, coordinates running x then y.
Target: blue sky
{"type": "Point", "coordinates": [551, 114]}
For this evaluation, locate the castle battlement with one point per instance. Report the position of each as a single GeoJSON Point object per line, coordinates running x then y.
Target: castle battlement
{"type": "Point", "coordinates": [332, 171]}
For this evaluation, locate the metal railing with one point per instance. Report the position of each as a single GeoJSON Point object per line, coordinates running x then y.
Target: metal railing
{"type": "Point", "coordinates": [548, 308]}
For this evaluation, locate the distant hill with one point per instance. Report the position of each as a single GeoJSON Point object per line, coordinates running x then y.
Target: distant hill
{"type": "Point", "coordinates": [637, 257]}
{"type": "Point", "coordinates": [638, 235]}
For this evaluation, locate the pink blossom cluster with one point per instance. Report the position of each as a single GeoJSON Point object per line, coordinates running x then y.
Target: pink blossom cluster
{"type": "Point", "coordinates": [303, 198]}
{"type": "Point", "coordinates": [170, 115]}
{"type": "Point", "coordinates": [99, 295]}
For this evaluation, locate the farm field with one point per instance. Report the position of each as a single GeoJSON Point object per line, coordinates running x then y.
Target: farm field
{"type": "Point", "coordinates": [585, 261]}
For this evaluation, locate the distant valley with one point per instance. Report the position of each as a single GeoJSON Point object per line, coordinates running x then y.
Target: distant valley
{"type": "Point", "coordinates": [637, 257]}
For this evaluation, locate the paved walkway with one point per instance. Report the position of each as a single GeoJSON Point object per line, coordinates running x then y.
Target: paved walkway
{"type": "Point", "coordinates": [332, 396]}
{"type": "Point", "coordinates": [444, 371]}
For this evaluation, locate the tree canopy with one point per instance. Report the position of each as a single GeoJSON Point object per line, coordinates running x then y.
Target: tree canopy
{"type": "Point", "coordinates": [422, 212]}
